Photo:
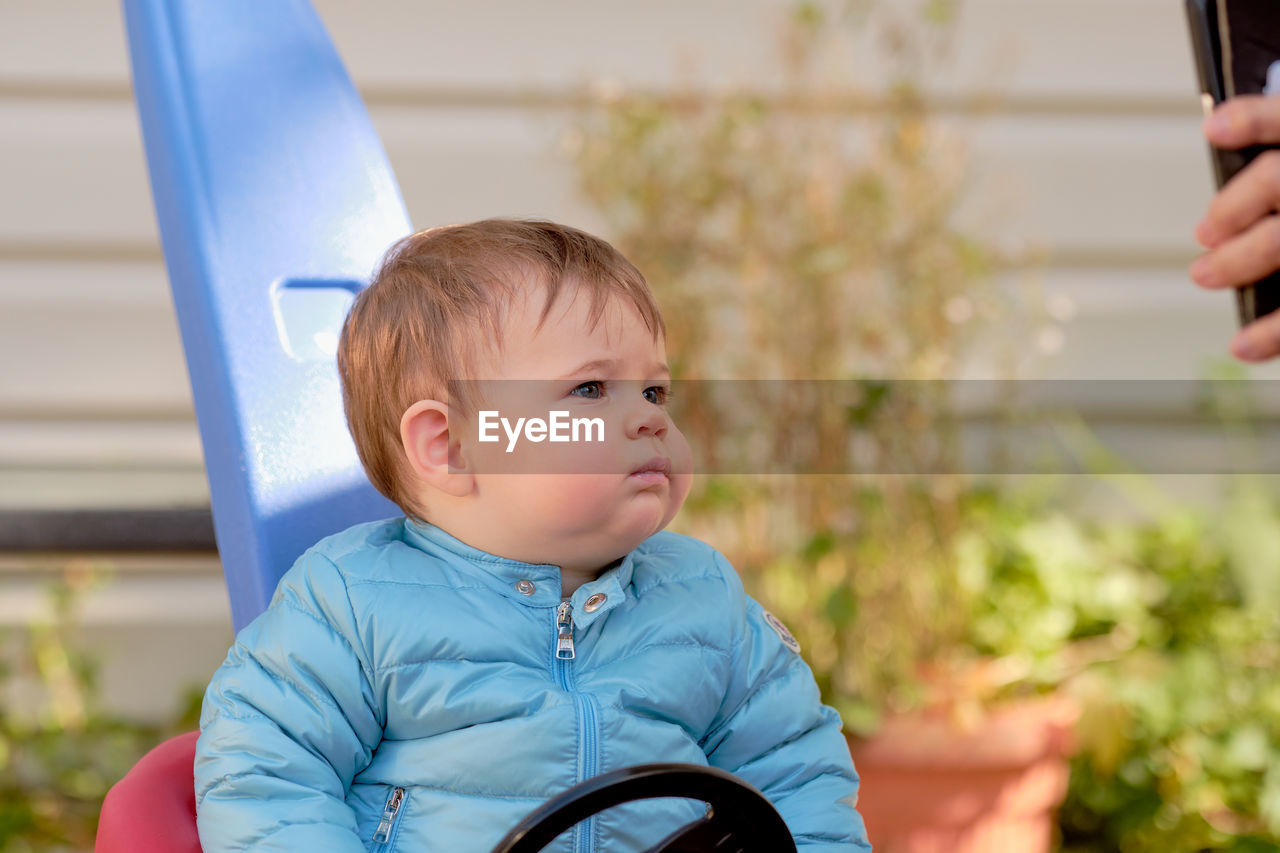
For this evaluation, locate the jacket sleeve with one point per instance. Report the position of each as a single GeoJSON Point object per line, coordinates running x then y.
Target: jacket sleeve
{"type": "Point", "coordinates": [288, 720]}
{"type": "Point", "coordinates": [774, 732]}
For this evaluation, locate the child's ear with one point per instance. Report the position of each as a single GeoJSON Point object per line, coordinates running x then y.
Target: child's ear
{"type": "Point", "coordinates": [438, 461]}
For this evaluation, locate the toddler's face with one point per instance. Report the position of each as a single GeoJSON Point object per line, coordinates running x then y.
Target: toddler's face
{"type": "Point", "coordinates": [578, 503]}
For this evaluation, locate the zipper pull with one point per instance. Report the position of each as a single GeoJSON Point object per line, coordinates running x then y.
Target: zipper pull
{"type": "Point", "coordinates": [383, 833]}
{"type": "Point", "coordinates": [564, 632]}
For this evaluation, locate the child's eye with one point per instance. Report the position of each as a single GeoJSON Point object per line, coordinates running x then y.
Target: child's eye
{"type": "Point", "coordinates": [659, 395]}
{"type": "Point", "coordinates": [592, 390]}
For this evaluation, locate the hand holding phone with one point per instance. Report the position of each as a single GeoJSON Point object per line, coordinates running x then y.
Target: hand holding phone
{"type": "Point", "coordinates": [1237, 49]}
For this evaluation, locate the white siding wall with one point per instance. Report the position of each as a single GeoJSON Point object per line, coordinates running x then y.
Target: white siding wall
{"type": "Point", "coordinates": [1092, 153]}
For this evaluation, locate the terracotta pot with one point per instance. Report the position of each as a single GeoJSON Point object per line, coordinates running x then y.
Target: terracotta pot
{"type": "Point", "coordinates": [932, 786]}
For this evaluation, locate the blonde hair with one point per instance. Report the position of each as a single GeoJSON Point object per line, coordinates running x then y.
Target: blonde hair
{"type": "Point", "coordinates": [417, 330]}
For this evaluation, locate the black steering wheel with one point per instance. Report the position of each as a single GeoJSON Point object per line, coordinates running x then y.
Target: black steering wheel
{"type": "Point", "coordinates": [738, 820]}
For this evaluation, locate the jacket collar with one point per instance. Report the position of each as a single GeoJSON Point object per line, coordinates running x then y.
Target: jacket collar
{"type": "Point", "coordinates": [510, 577]}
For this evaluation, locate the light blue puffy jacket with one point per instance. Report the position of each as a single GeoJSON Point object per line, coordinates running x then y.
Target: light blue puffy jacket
{"type": "Point", "coordinates": [403, 692]}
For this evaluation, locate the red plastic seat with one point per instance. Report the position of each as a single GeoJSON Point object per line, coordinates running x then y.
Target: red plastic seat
{"type": "Point", "coordinates": [153, 808]}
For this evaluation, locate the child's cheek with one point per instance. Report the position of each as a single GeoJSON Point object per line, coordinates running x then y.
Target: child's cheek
{"type": "Point", "coordinates": [578, 499]}
{"type": "Point", "coordinates": [681, 454]}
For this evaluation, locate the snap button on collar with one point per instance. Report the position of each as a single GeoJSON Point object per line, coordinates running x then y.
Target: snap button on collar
{"type": "Point", "coordinates": [525, 587]}
{"type": "Point", "coordinates": [593, 603]}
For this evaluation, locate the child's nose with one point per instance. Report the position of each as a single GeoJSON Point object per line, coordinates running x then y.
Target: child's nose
{"type": "Point", "coordinates": [645, 418]}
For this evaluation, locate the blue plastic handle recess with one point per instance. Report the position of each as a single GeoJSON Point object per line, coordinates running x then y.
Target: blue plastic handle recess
{"type": "Point", "coordinates": [275, 201]}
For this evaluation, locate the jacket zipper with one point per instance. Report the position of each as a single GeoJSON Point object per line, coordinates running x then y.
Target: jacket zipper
{"type": "Point", "coordinates": [565, 652]}
{"type": "Point", "coordinates": [589, 766]}
{"type": "Point", "coordinates": [564, 632]}
{"type": "Point", "coordinates": [390, 814]}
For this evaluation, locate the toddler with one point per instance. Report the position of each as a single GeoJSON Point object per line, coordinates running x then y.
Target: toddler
{"type": "Point", "coordinates": [422, 683]}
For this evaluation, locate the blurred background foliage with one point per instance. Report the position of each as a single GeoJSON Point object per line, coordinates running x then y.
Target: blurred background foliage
{"type": "Point", "coordinates": [797, 235]}
{"type": "Point", "coordinates": [1163, 626]}
{"type": "Point", "coordinates": [808, 232]}
{"type": "Point", "coordinates": [61, 753]}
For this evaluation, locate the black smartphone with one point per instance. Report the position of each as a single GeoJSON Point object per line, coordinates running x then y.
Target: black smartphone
{"type": "Point", "coordinates": [1237, 49]}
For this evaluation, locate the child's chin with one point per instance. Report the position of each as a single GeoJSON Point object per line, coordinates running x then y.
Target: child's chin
{"type": "Point", "coordinates": [642, 525]}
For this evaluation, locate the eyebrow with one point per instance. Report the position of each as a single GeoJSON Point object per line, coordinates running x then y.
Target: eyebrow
{"type": "Point", "coordinates": [608, 364]}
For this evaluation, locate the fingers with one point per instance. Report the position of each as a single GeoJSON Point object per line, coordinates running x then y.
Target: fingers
{"type": "Point", "coordinates": [1243, 259]}
{"type": "Point", "coordinates": [1258, 341]}
{"type": "Point", "coordinates": [1246, 198]}
{"type": "Point", "coordinates": [1241, 227]}
{"type": "Point", "coordinates": [1244, 120]}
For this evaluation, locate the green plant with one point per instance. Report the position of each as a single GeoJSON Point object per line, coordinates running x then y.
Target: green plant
{"type": "Point", "coordinates": [804, 237]}
{"type": "Point", "coordinates": [1180, 741]}
{"type": "Point", "coordinates": [59, 752]}
{"type": "Point", "coordinates": [1161, 624]}
{"type": "Point", "coordinates": [799, 235]}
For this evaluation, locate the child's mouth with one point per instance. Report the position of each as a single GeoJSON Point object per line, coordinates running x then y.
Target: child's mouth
{"type": "Point", "coordinates": [656, 470]}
